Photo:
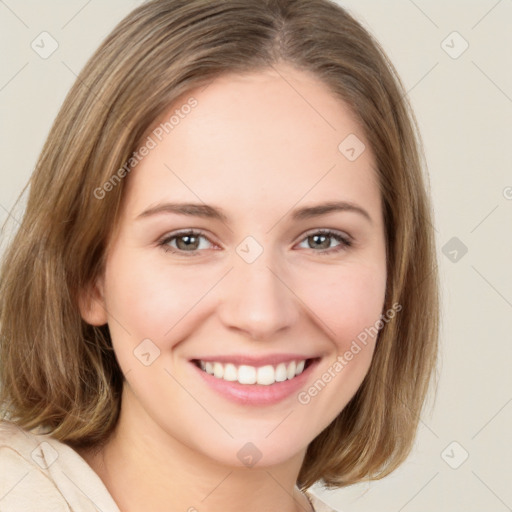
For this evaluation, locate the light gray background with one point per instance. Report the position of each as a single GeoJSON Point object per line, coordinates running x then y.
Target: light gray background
{"type": "Point", "coordinates": [464, 108]}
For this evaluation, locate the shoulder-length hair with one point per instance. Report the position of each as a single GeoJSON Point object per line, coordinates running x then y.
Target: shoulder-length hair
{"type": "Point", "coordinates": [60, 373]}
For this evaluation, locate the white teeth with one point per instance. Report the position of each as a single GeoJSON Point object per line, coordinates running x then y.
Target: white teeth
{"type": "Point", "coordinates": [245, 374]}
{"type": "Point", "coordinates": [290, 371]}
{"type": "Point", "coordinates": [230, 372]}
{"type": "Point", "coordinates": [265, 375]}
{"type": "Point", "coordinates": [300, 367]}
{"type": "Point", "coordinates": [281, 374]}
{"type": "Point", "coordinates": [218, 370]}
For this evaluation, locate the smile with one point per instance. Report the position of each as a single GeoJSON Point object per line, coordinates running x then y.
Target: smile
{"type": "Point", "coordinates": [256, 381]}
{"type": "Point", "coordinates": [246, 374]}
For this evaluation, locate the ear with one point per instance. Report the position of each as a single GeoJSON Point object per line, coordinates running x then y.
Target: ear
{"type": "Point", "coordinates": [91, 302]}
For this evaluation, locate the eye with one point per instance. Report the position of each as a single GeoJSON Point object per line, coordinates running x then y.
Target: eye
{"type": "Point", "coordinates": [192, 242]}
{"type": "Point", "coordinates": [189, 241]}
{"type": "Point", "coordinates": [323, 239]}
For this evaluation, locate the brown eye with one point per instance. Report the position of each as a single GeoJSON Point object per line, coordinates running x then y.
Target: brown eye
{"type": "Point", "coordinates": [187, 242]}
{"type": "Point", "coordinates": [192, 242]}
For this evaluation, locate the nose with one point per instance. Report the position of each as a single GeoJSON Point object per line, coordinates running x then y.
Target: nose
{"type": "Point", "coordinates": [258, 299]}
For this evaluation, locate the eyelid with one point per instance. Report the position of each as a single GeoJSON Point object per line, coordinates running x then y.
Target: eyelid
{"type": "Point", "coordinates": [163, 241]}
{"type": "Point", "coordinates": [327, 231]}
{"type": "Point", "coordinates": [346, 240]}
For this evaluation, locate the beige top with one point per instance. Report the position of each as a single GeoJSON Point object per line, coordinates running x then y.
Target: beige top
{"type": "Point", "coordinates": [40, 474]}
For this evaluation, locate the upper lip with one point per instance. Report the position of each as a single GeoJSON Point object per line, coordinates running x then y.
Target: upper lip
{"type": "Point", "coordinates": [244, 359]}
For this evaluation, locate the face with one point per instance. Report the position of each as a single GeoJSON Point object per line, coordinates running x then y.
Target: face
{"type": "Point", "coordinates": [251, 246]}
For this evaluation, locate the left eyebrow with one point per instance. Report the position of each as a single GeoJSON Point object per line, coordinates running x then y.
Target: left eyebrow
{"type": "Point", "coordinates": [329, 207]}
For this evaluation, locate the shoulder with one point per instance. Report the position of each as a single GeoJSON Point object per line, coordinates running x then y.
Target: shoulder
{"type": "Point", "coordinates": [318, 504]}
{"type": "Point", "coordinates": [23, 471]}
{"type": "Point", "coordinates": [40, 473]}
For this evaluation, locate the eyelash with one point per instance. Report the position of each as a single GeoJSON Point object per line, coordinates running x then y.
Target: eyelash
{"type": "Point", "coordinates": [344, 241]}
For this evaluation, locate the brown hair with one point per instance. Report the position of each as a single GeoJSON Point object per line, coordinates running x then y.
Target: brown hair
{"type": "Point", "coordinates": [60, 373]}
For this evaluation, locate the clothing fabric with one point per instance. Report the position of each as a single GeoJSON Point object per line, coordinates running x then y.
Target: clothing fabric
{"type": "Point", "coordinates": [40, 474]}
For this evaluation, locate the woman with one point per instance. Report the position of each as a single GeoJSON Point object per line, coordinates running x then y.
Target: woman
{"type": "Point", "coordinates": [223, 289]}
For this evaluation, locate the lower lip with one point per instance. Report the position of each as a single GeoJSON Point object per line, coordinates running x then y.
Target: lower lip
{"type": "Point", "coordinates": [257, 394]}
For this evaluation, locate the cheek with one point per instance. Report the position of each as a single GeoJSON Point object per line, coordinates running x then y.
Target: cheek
{"type": "Point", "coordinates": [148, 300]}
{"type": "Point", "coordinates": [349, 308]}
{"type": "Point", "coordinates": [350, 301]}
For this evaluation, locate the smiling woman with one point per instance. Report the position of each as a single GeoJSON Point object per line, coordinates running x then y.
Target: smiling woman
{"type": "Point", "coordinates": [274, 244]}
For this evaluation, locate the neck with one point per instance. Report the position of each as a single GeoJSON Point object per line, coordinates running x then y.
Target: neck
{"type": "Point", "coordinates": [145, 468]}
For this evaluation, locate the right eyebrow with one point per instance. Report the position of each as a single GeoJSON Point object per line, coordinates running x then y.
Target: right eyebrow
{"type": "Point", "coordinates": [191, 209]}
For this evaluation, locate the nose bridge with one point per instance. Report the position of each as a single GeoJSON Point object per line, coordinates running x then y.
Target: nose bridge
{"type": "Point", "coordinates": [256, 300]}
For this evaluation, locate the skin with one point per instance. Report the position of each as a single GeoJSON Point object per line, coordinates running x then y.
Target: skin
{"type": "Point", "coordinates": [258, 150]}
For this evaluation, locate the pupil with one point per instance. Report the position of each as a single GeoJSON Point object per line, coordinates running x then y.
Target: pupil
{"type": "Point", "coordinates": [322, 239]}
{"type": "Point", "coordinates": [187, 241]}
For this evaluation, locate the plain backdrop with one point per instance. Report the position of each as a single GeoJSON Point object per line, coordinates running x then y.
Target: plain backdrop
{"type": "Point", "coordinates": [455, 61]}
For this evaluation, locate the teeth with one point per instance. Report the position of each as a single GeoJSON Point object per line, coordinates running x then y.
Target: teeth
{"type": "Point", "coordinates": [230, 372]}
{"type": "Point", "coordinates": [218, 370]}
{"type": "Point", "coordinates": [290, 371]}
{"type": "Point", "coordinates": [281, 373]}
{"type": "Point", "coordinates": [266, 375]}
{"type": "Point", "coordinates": [245, 374]}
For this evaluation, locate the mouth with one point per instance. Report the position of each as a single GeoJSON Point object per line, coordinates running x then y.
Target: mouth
{"type": "Point", "coordinates": [249, 375]}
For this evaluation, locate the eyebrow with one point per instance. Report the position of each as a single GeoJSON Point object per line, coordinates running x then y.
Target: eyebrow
{"type": "Point", "coordinates": [210, 212]}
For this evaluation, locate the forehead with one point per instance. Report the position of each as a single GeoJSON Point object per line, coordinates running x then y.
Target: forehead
{"type": "Point", "coordinates": [268, 138]}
